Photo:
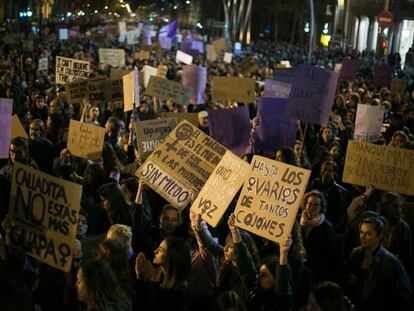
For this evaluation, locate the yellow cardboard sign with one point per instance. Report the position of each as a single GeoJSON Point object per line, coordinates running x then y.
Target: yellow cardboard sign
{"type": "Point", "coordinates": [219, 45]}
{"type": "Point", "coordinates": [270, 198]}
{"type": "Point", "coordinates": [128, 85]}
{"type": "Point", "coordinates": [17, 128]}
{"type": "Point", "coordinates": [181, 116]}
{"type": "Point", "coordinates": [44, 214]}
{"type": "Point", "coordinates": [165, 89]}
{"type": "Point", "coordinates": [85, 140]}
{"type": "Point", "coordinates": [220, 188]}
{"type": "Point", "coordinates": [185, 159]}
{"type": "Point", "coordinates": [233, 88]}
{"type": "Point", "coordinates": [384, 167]}
{"type": "Point", "coordinates": [142, 55]}
{"type": "Point", "coordinates": [398, 86]}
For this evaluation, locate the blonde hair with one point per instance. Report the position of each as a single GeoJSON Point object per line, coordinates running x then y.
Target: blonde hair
{"type": "Point", "coordinates": [121, 233]}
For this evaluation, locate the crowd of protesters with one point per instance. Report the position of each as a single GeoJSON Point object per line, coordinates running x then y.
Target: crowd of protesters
{"type": "Point", "coordinates": [350, 248]}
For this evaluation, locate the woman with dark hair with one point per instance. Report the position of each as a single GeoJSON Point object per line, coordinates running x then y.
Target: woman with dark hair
{"type": "Point", "coordinates": [229, 301]}
{"type": "Point", "coordinates": [99, 289]}
{"type": "Point", "coordinates": [115, 254]}
{"type": "Point", "coordinates": [326, 296]}
{"type": "Point", "coordinates": [166, 287]}
{"type": "Point", "coordinates": [319, 238]}
{"type": "Point", "coordinates": [302, 155]}
{"type": "Point", "coordinates": [286, 155]}
{"type": "Point", "coordinates": [115, 204]}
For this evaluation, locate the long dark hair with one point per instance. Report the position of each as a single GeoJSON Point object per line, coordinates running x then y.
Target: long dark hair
{"type": "Point", "coordinates": [103, 291]}
{"type": "Point", "coordinates": [178, 264]}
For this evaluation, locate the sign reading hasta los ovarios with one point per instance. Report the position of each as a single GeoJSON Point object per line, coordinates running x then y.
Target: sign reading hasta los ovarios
{"type": "Point", "coordinates": [85, 140]}
{"type": "Point", "coordinates": [270, 198]}
{"type": "Point", "coordinates": [384, 167]}
{"type": "Point", "coordinates": [220, 188]}
{"type": "Point", "coordinates": [69, 69]}
{"type": "Point", "coordinates": [151, 133]}
{"type": "Point", "coordinates": [185, 159]}
{"type": "Point", "coordinates": [44, 212]}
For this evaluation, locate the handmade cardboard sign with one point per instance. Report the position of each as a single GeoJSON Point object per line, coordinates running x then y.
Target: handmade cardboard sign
{"type": "Point", "coordinates": [398, 86]}
{"type": "Point", "coordinates": [142, 55]}
{"type": "Point", "coordinates": [166, 89]}
{"type": "Point", "coordinates": [97, 90]}
{"type": "Point", "coordinates": [312, 94]}
{"type": "Point", "coordinates": [130, 85]}
{"type": "Point", "coordinates": [219, 45]}
{"type": "Point", "coordinates": [149, 71]}
{"type": "Point", "coordinates": [368, 122]}
{"type": "Point", "coordinates": [17, 128]}
{"type": "Point", "coordinates": [233, 88]}
{"type": "Point", "coordinates": [6, 109]}
{"type": "Point", "coordinates": [181, 116]}
{"type": "Point", "coordinates": [44, 216]}
{"type": "Point", "coordinates": [220, 188]}
{"type": "Point", "coordinates": [211, 54]}
{"type": "Point", "coordinates": [151, 133]}
{"type": "Point", "coordinates": [270, 198]}
{"type": "Point", "coordinates": [113, 57]}
{"type": "Point", "coordinates": [228, 57]}
{"type": "Point", "coordinates": [43, 63]}
{"type": "Point", "coordinates": [85, 140]}
{"type": "Point", "coordinates": [69, 69]}
{"type": "Point", "coordinates": [185, 159]}
{"type": "Point", "coordinates": [385, 167]}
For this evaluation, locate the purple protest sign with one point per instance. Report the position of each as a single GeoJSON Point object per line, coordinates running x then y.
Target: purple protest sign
{"type": "Point", "coordinates": [136, 86]}
{"type": "Point", "coordinates": [349, 69]}
{"type": "Point", "coordinates": [382, 75]}
{"type": "Point", "coordinates": [277, 89]}
{"type": "Point", "coordinates": [231, 128]}
{"type": "Point", "coordinates": [165, 42]}
{"type": "Point", "coordinates": [196, 78]}
{"type": "Point", "coordinates": [6, 109]}
{"type": "Point", "coordinates": [274, 130]}
{"type": "Point", "coordinates": [186, 45]}
{"type": "Point", "coordinates": [312, 94]}
{"type": "Point", "coordinates": [198, 45]}
{"type": "Point", "coordinates": [146, 36]}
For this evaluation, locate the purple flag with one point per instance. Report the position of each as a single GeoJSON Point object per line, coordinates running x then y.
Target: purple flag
{"type": "Point", "coordinates": [312, 94]}
{"type": "Point", "coordinates": [165, 42]}
{"type": "Point", "coordinates": [382, 75]}
{"type": "Point", "coordinates": [136, 87]}
{"type": "Point", "coordinates": [349, 69]}
{"type": "Point", "coordinates": [196, 78]}
{"type": "Point", "coordinates": [274, 130]}
{"type": "Point", "coordinates": [6, 109]}
{"type": "Point", "coordinates": [231, 128]}
{"type": "Point", "coordinates": [169, 30]}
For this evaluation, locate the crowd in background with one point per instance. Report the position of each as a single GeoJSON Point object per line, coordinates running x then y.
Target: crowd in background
{"type": "Point", "coordinates": [350, 248]}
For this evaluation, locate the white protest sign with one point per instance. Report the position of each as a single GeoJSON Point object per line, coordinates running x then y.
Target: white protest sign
{"type": "Point", "coordinates": [69, 69]}
{"type": "Point", "coordinates": [113, 57]}
{"type": "Point", "coordinates": [220, 188]}
{"type": "Point", "coordinates": [211, 53]}
{"type": "Point", "coordinates": [184, 58]}
{"type": "Point", "coordinates": [270, 198]}
{"type": "Point", "coordinates": [85, 140]}
{"type": "Point", "coordinates": [148, 71]}
{"type": "Point", "coordinates": [63, 34]}
{"type": "Point", "coordinates": [368, 122]}
{"type": "Point", "coordinates": [338, 68]}
{"type": "Point", "coordinates": [237, 46]}
{"type": "Point", "coordinates": [227, 58]}
{"type": "Point", "coordinates": [43, 63]}
{"type": "Point", "coordinates": [132, 37]}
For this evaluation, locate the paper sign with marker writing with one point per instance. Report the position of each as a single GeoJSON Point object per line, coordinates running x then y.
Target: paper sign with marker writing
{"type": "Point", "coordinates": [44, 213]}
{"type": "Point", "coordinates": [97, 90]}
{"type": "Point", "coordinates": [166, 89]}
{"type": "Point", "coordinates": [6, 109]}
{"type": "Point", "coordinates": [149, 71]}
{"type": "Point", "coordinates": [132, 37]}
{"type": "Point", "coordinates": [228, 57]}
{"type": "Point", "coordinates": [69, 70]}
{"type": "Point", "coordinates": [63, 34]}
{"type": "Point", "coordinates": [270, 199]}
{"type": "Point", "coordinates": [312, 94]}
{"type": "Point", "coordinates": [130, 85]}
{"type": "Point", "coordinates": [113, 57]}
{"type": "Point", "coordinates": [17, 128]}
{"type": "Point", "coordinates": [43, 63]}
{"type": "Point", "coordinates": [185, 159]}
{"type": "Point", "coordinates": [151, 133]}
{"type": "Point", "coordinates": [85, 140]}
{"type": "Point", "coordinates": [195, 77]}
{"type": "Point", "coordinates": [220, 188]}
{"type": "Point", "coordinates": [368, 122]}
{"type": "Point", "coordinates": [398, 86]}
{"type": "Point", "coordinates": [385, 167]}
{"type": "Point", "coordinates": [233, 88]}
{"type": "Point", "coordinates": [277, 89]}
{"type": "Point", "coordinates": [184, 58]}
